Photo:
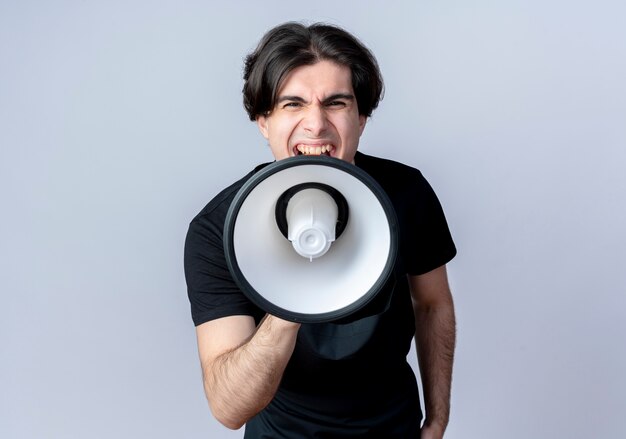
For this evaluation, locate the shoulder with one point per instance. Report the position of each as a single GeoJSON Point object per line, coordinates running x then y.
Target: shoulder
{"type": "Point", "coordinates": [370, 162]}
{"type": "Point", "coordinates": [215, 211]}
{"type": "Point", "coordinates": [393, 176]}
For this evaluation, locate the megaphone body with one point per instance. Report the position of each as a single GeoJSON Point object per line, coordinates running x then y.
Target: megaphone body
{"type": "Point", "coordinates": [311, 222]}
{"type": "Point", "coordinates": [311, 239]}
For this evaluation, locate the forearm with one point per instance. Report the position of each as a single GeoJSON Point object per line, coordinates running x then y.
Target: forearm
{"type": "Point", "coordinates": [435, 342]}
{"type": "Point", "coordinates": [241, 382]}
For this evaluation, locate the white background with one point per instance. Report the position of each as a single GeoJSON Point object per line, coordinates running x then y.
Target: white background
{"type": "Point", "coordinates": [119, 120]}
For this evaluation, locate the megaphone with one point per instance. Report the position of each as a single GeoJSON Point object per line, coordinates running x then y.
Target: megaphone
{"type": "Point", "coordinates": [311, 239]}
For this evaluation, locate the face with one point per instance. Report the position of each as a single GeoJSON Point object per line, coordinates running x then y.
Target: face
{"type": "Point", "coordinates": [315, 113]}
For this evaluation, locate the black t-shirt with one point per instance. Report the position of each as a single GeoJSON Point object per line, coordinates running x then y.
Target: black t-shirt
{"type": "Point", "coordinates": [343, 379]}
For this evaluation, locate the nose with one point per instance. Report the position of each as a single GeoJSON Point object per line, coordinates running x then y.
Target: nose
{"type": "Point", "coordinates": [315, 121]}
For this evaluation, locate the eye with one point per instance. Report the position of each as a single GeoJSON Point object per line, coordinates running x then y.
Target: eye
{"type": "Point", "coordinates": [336, 104]}
{"type": "Point", "coordinates": [292, 105]}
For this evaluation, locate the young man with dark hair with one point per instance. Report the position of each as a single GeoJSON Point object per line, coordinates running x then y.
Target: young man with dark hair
{"type": "Point", "coordinates": [310, 90]}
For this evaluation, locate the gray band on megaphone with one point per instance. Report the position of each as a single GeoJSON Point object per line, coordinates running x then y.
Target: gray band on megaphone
{"type": "Point", "coordinates": [334, 286]}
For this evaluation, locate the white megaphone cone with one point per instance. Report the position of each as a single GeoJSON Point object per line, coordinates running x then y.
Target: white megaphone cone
{"type": "Point", "coordinates": [311, 219]}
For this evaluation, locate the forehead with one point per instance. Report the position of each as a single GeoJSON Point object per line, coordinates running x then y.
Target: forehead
{"type": "Point", "coordinates": [322, 77]}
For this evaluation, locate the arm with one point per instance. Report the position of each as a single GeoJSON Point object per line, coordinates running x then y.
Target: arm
{"type": "Point", "coordinates": [435, 336]}
{"type": "Point", "coordinates": [243, 365]}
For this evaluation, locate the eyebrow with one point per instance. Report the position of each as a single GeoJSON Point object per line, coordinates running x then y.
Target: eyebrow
{"type": "Point", "coordinates": [330, 98]}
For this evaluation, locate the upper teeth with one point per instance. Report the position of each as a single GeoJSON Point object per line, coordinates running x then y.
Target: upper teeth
{"type": "Point", "coordinates": [313, 149]}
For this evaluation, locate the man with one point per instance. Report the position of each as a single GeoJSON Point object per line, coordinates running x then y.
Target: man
{"type": "Point", "coordinates": [310, 91]}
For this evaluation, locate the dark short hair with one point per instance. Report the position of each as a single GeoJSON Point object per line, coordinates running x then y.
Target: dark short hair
{"type": "Point", "coordinates": [292, 45]}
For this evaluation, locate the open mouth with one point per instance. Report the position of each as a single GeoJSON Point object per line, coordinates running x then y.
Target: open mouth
{"type": "Point", "coordinates": [301, 149]}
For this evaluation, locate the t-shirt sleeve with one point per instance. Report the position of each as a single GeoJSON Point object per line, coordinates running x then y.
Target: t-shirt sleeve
{"type": "Point", "coordinates": [429, 243]}
{"type": "Point", "coordinates": [211, 289]}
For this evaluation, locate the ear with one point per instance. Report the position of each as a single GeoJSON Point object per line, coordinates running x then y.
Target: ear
{"type": "Point", "coordinates": [362, 122]}
{"type": "Point", "coordinates": [262, 123]}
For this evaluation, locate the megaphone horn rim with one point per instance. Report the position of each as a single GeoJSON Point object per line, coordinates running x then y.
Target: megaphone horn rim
{"type": "Point", "coordinates": [258, 299]}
